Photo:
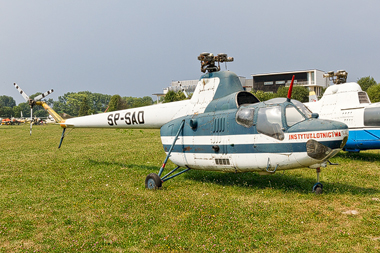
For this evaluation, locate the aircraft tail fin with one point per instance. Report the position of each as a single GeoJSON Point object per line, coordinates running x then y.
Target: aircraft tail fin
{"type": "Point", "coordinates": [312, 97]}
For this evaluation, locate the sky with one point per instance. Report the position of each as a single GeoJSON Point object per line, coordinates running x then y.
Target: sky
{"type": "Point", "coordinates": [137, 48]}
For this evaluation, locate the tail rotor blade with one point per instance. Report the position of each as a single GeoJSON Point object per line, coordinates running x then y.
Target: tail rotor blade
{"type": "Point", "coordinates": [26, 97]}
{"type": "Point", "coordinates": [43, 95]}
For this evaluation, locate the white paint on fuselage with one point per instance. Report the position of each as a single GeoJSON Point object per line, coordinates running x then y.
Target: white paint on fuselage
{"type": "Point", "coordinates": [154, 116]}
{"type": "Point", "coordinates": [244, 162]}
{"type": "Point", "coordinates": [341, 102]}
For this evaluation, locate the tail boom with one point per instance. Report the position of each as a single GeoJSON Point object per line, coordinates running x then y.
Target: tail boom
{"type": "Point", "coordinates": [55, 115]}
{"type": "Point", "coordinates": [146, 117]}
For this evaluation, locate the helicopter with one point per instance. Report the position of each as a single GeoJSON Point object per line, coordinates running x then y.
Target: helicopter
{"type": "Point", "coordinates": [225, 128]}
{"type": "Point", "coordinates": [348, 103]}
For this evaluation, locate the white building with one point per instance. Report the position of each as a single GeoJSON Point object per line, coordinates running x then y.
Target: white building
{"type": "Point", "coordinates": [270, 82]}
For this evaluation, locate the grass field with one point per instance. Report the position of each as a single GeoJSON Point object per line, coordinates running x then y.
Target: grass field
{"type": "Point", "coordinates": [90, 196]}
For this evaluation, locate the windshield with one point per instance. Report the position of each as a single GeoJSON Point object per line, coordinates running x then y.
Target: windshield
{"type": "Point", "coordinates": [302, 108]}
{"type": "Point", "coordinates": [297, 103]}
{"type": "Point", "coordinates": [292, 115]}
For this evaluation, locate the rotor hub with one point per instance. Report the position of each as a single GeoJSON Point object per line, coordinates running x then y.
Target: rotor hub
{"type": "Point", "coordinates": [208, 61]}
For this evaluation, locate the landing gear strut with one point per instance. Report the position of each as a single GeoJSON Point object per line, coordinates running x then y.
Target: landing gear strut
{"type": "Point", "coordinates": [154, 181]}
{"type": "Point", "coordinates": [318, 187]}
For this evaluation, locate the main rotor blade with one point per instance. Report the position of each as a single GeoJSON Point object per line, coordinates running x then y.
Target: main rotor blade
{"type": "Point", "coordinates": [43, 95]}
{"type": "Point", "coordinates": [26, 97]}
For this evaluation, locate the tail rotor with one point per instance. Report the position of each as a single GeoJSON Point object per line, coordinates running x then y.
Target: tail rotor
{"type": "Point", "coordinates": [32, 102]}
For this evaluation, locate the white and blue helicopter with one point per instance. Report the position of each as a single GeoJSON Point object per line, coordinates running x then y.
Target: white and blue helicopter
{"type": "Point", "coordinates": [346, 102]}
{"type": "Point", "coordinates": [224, 128]}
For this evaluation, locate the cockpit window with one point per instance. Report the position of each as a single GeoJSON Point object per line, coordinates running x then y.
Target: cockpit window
{"type": "Point", "coordinates": [244, 116]}
{"type": "Point", "coordinates": [269, 122]}
{"type": "Point", "coordinates": [292, 115]}
{"type": "Point", "coordinates": [302, 108]}
{"type": "Point", "coordinates": [297, 103]}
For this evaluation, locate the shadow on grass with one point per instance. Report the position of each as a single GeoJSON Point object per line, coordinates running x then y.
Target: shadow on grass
{"type": "Point", "coordinates": [369, 157]}
{"type": "Point", "coordinates": [151, 168]}
{"type": "Point", "coordinates": [280, 181]}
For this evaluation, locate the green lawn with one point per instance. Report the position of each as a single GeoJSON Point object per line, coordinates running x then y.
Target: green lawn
{"type": "Point", "coordinates": [90, 196]}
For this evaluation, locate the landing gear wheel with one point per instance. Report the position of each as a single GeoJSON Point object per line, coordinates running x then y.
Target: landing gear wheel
{"type": "Point", "coordinates": [318, 188]}
{"type": "Point", "coordinates": [153, 181]}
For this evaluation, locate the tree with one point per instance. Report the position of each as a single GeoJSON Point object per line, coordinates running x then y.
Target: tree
{"type": "Point", "coordinates": [133, 102]}
{"type": "Point", "coordinates": [117, 103]}
{"type": "Point", "coordinates": [84, 107]}
{"type": "Point", "coordinates": [7, 101]}
{"type": "Point", "coordinates": [366, 82]}
{"type": "Point", "coordinates": [6, 111]}
{"type": "Point", "coordinates": [74, 100]}
{"type": "Point", "coordinates": [299, 93]}
{"type": "Point", "coordinates": [263, 96]}
{"type": "Point", "coordinates": [172, 96]}
{"type": "Point", "coordinates": [70, 102]}
{"type": "Point", "coordinates": [16, 111]}
{"type": "Point", "coordinates": [374, 93]}
{"type": "Point", "coordinates": [25, 108]}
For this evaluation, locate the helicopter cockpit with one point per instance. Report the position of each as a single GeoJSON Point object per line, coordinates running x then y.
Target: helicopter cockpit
{"type": "Point", "coordinates": [269, 117]}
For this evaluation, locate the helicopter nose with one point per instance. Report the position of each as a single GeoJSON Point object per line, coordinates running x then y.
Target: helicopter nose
{"type": "Point", "coordinates": [324, 151]}
{"type": "Point", "coordinates": [325, 138]}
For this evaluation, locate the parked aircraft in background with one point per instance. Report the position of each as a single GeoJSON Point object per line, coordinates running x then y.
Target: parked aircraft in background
{"type": "Point", "coordinates": [347, 103]}
{"type": "Point", "coordinates": [224, 128]}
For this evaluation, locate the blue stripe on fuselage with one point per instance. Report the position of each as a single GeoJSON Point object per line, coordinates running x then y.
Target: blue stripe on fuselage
{"type": "Point", "coordinates": [248, 148]}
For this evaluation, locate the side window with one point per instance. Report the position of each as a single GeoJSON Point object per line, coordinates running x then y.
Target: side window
{"type": "Point", "coordinates": [269, 122]}
{"type": "Point", "coordinates": [363, 97]}
{"type": "Point", "coordinates": [292, 115]}
{"type": "Point", "coordinates": [371, 117]}
{"type": "Point", "coordinates": [244, 116]}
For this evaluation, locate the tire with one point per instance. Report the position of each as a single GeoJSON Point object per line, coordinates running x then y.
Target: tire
{"type": "Point", "coordinates": [318, 188]}
{"type": "Point", "coordinates": [153, 182]}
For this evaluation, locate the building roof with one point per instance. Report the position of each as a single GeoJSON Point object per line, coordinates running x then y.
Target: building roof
{"type": "Point", "coordinates": [286, 72]}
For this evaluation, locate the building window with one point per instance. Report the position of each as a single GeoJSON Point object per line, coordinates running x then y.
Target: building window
{"type": "Point", "coordinates": [280, 82]}
{"type": "Point", "coordinates": [268, 83]}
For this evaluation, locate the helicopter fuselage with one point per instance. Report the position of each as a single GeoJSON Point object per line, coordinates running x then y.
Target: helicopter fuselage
{"type": "Point", "coordinates": [261, 137]}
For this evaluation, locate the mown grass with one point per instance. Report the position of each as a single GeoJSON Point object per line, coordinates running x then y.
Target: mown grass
{"type": "Point", "coordinates": [90, 196]}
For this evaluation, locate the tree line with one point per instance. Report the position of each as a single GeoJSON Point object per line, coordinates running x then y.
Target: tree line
{"type": "Point", "coordinates": [83, 103]}
{"type": "Point", "coordinates": [72, 104]}
{"type": "Point", "coordinates": [299, 93]}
